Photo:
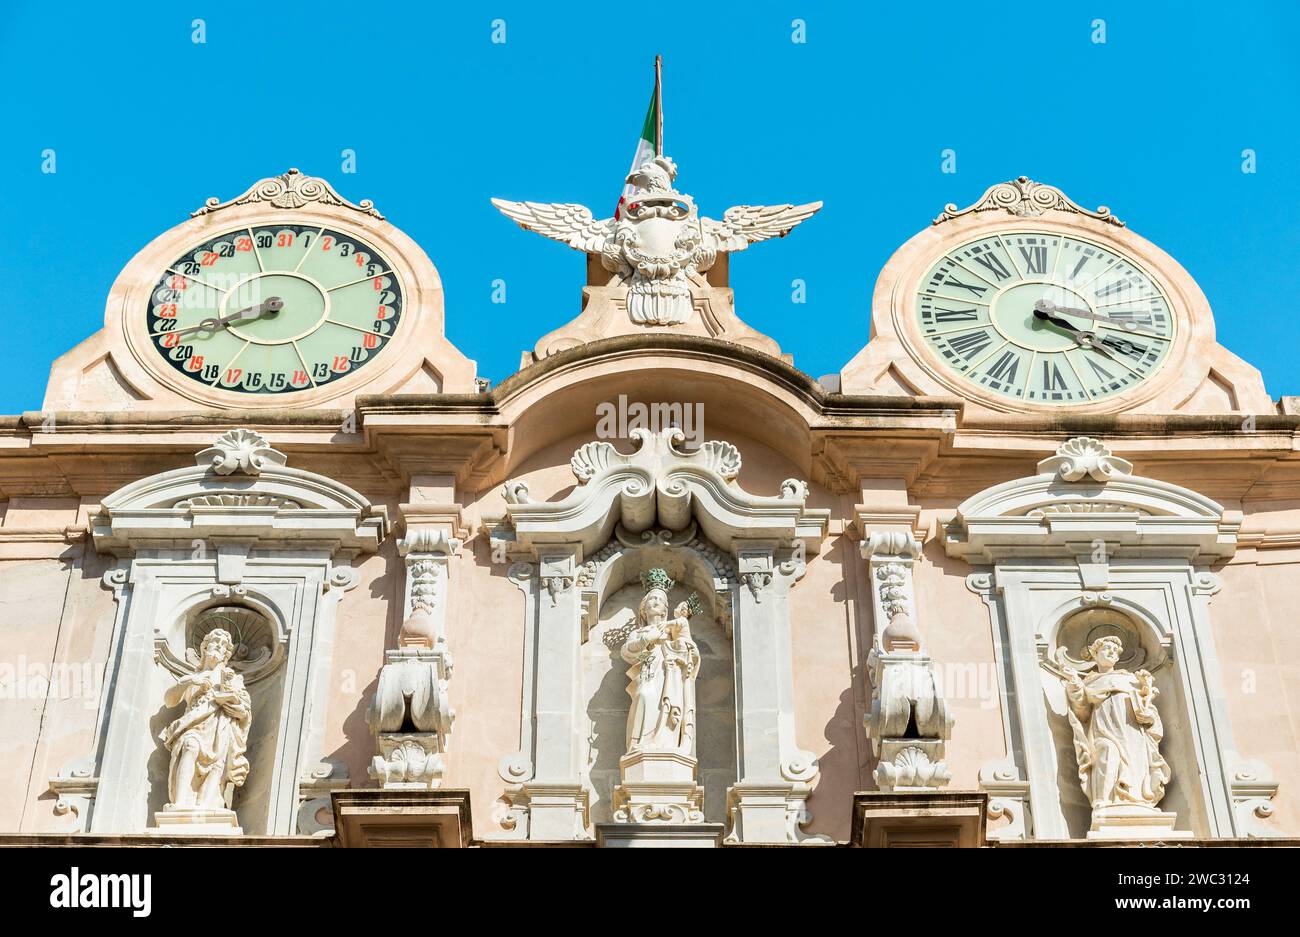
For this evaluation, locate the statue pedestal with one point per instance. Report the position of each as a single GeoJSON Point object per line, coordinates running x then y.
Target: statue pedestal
{"type": "Point", "coordinates": [658, 787]}
{"type": "Point", "coordinates": [196, 821]}
{"type": "Point", "coordinates": [1135, 822]}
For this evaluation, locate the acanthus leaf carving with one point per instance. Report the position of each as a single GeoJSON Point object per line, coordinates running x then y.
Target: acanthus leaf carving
{"type": "Point", "coordinates": [1026, 198]}
{"type": "Point", "coordinates": [291, 190]}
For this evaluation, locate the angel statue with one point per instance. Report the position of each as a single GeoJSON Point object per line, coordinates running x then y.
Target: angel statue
{"type": "Point", "coordinates": [665, 661]}
{"type": "Point", "coordinates": [1116, 726]}
{"type": "Point", "coordinates": [208, 742]}
{"type": "Point", "coordinates": [657, 240]}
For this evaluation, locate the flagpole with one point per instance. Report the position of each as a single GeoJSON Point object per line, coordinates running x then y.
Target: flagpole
{"type": "Point", "coordinates": [659, 105]}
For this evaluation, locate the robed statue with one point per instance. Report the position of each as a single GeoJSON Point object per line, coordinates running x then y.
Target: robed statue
{"type": "Point", "coordinates": [1116, 727]}
{"type": "Point", "coordinates": [208, 743]}
{"type": "Point", "coordinates": [664, 663]}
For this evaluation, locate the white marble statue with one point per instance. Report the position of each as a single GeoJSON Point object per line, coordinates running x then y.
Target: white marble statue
{"type": "Point", "coordinates": [665, 662]}
{"type": "Point", "coordinates": [1117, 730]}
{"type": "Point", "coordinates": [208, 742]}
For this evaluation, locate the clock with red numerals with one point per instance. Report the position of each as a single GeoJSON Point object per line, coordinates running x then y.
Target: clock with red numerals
{"type": "Point", "coordinates": [274, 309]}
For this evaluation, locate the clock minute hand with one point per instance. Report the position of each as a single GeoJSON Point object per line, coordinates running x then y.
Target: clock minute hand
{"type": "Point", "coordinates": [271, 306]}
{"type": "Point", "coordinates": [1046, 305]}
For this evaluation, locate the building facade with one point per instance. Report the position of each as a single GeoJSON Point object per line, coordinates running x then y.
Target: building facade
{"type": "Point", "coordinates": [277, 566]}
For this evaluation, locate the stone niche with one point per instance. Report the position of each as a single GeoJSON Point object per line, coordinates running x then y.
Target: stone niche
{"type": "Point", "coordinates": [241, 542]}
{"type": "Point", "coordinates": [1084, 550]}
{"type": "Point", "coordinates": [681, 515]}
{"type": "Point", "coordinates": [260, 650]}
{"type": "Point", "coordinates": [605, 680]}
{"type": "Point", "coordinates": [1143, 650]}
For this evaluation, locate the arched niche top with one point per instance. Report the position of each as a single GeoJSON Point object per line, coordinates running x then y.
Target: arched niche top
{"type": "Point", "coordinates": [693, 562]}
{"type": "Point", "coordinates": [1084, 494]}
{"type": "Point", "coordinates": [1075, 623]}
{"type": "Point", "coordinates": [658, 486]}
{"type": "Point", "coordinates": [239, 488]}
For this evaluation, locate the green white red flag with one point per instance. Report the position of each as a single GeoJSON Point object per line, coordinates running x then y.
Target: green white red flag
{"type": "Point", "coordinates": [647, 148]}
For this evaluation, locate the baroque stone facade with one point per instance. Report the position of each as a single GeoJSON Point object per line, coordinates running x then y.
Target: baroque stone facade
{"type": "Point", "coordinates": [278, 565]}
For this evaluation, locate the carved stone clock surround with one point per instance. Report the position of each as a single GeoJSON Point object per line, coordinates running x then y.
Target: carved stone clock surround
{"type": "Point", "coordinates": [124, 344]}
{"type": "Point", "coordinates": [897, 346]}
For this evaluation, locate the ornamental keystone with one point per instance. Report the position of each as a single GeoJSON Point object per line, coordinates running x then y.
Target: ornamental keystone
{"type": "Point", "coordinates": [1084, 456]}
{"type": "Point", "coordinates": [240, 451]}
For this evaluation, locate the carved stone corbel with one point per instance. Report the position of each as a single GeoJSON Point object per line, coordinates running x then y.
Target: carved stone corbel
{"type": "Point", "coordinates": [76, 786]}
{"type": "Point", "coordinates": [315, 816]}
{"type": "Point", "coordinates": [1253, 788]}
{"type": "Point", "coordinates": [1009, 798]}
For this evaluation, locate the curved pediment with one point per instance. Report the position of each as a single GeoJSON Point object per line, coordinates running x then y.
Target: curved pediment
{"type": "Point", "coordinates": [241, 488]}
{"type": "Point", "coordinates": [1084, 494]}
{"type": "Point", "coordinates": [660, 486]}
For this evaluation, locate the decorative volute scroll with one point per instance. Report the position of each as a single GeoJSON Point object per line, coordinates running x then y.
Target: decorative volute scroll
{"type": "Point", "coordinates": [660, 486]}
{"type": "Point", "coordinates": [1025, 198]}
{"type": "Point", "coordinates": [660, 259]}
{"type": "Point", "coordinates": [909, 720]}
{"type": "Point", "coordinates": [410, 714]}
{"type": "Point", "coordinates": [746, 552]}
{"type": "Point", "coordinates": [290, 190]}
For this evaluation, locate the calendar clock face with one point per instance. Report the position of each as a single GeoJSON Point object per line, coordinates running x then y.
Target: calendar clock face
{"type": "Point", "coordinates": [1044, 318]}
{"type": "Point", "coordinates": [274, 309]}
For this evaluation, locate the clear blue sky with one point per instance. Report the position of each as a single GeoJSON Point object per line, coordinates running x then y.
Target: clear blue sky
{"type": "Point", "coordinates": [147, 124]}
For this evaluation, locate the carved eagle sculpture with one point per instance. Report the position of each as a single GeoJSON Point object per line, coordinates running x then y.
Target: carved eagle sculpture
{"type": "Point", "coordinates": [658, 239]}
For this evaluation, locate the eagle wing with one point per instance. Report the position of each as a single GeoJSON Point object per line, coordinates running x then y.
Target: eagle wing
{"type": "Point", "coordinates": [572, 224]}
{"type": "Point", "coordinates": [744, 224]}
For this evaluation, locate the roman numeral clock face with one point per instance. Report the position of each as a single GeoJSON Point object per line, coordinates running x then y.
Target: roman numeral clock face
{"type": "Point", "coordinates": [275, 309]}
{"type": "Point", "coordinates": [1044, 318]}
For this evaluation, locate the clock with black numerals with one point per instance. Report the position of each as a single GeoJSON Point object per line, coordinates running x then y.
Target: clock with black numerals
{"type": "Point", "coordinates": [270, 309]}
{"type": "Point", "coordinates": [1044, 318]}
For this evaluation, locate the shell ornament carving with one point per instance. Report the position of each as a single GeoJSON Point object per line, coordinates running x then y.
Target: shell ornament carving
{"type": "Point", "coordinates": [240, 451]}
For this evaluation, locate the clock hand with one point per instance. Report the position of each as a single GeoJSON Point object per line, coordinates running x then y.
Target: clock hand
{"type": "Point", "coordinates": [271, 306]}
{"type": "Point", "coordinates": [1083, 338]}
{"type": "Point", "coordinates": [1046, 305]}
{"type": "Point", "coordinates": [1062, 323]}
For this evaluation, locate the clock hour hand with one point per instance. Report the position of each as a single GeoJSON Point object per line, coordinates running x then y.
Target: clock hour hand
{"type": "Point", "coordinates": [271, 306]}
{"type": "Point", "coordinates": [1069, 326]}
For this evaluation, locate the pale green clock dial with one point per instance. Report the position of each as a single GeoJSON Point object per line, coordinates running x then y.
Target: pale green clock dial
{"type": "Point", "coordinates": [274, 309]}
{"type": "Point", "coordinates": [1044, 318]}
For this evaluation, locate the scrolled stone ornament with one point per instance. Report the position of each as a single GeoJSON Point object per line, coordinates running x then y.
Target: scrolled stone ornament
{"type": "Point", "coordinates": [240, 451]}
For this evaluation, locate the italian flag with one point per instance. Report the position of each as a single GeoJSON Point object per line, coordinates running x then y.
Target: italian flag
{"type": "Point", "coordinates": [645, 147]}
